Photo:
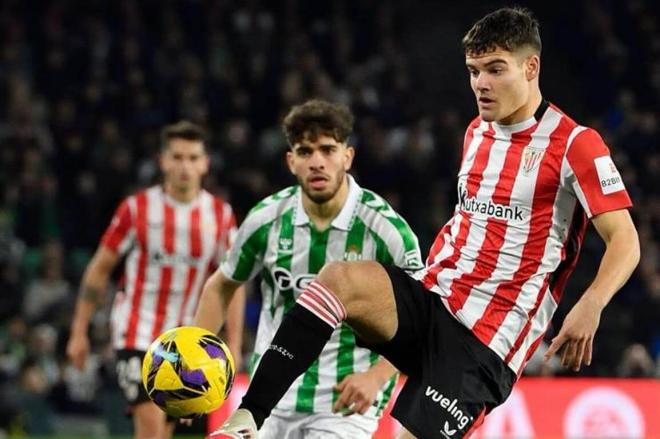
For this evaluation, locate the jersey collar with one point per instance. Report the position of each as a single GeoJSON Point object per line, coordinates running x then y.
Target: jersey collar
{"type": "Point", "coordinates": [344, 219]}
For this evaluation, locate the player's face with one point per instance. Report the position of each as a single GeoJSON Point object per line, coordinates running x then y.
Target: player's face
{"type": "Point", "coordinates": [184, 163]}
{"type": "Point", "coordinates": [320, 166]}
{"type": "Point", "coordinates": [501, 82]}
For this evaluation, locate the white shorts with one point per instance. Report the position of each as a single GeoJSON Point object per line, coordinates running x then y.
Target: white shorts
{"type": "Point", "coordinates": [287, 425]}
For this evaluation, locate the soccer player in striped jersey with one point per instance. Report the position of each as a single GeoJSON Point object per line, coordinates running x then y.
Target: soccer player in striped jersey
{"type": "Point", "coordinates": [463, 328]}
{"type": "Point", "coordinates": [287, 238]}
{"type": "Point", "coordinates": [173, 235]}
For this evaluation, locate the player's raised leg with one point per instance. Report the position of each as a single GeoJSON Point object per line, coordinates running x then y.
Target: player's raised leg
{"type": "Point", "coordinates": [360, 293]}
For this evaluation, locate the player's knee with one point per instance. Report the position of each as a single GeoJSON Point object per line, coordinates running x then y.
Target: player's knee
{"type": "Point", "coordinates": [336, 276]}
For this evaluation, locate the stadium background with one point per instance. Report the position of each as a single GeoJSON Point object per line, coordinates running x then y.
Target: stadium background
{"type": "Point", "coordinates": [85, 86]}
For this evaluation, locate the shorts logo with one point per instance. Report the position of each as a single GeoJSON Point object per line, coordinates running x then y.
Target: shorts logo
{"type": "Point", "coordinates": [608, 176]}
{"type": "Point", "coordinates": [451, 406]}
{"type": "Point", "coordinates": [531, 158]}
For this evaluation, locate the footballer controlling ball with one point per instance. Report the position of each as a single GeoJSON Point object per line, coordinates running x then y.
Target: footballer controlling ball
{"type": "Point", "coordinates": [188, 371]}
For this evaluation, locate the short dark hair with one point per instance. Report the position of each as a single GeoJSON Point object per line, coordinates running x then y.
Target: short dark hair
{"type": "Point", "coordinates": [318, 117]}
{"type": "Point", "coordinates": [182, 130]}
{"type": "Point", "coordinates": [509, 28]}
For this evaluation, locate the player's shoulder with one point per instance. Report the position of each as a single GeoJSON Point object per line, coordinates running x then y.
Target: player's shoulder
{"type": "Point", "coordinates": [376, 206]}
{"type": "Point", "coordinates": [275, 204]}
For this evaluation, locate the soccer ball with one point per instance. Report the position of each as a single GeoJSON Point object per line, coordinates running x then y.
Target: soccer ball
{"type": "Point", "coordinates": [188, 371]}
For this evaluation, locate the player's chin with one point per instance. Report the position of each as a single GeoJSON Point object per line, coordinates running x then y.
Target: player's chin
{"type": "Point", "coordinates": [487, 116]}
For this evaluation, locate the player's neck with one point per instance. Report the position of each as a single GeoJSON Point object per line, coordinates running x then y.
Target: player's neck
{"type": "Point", "coordinates": [181, 195]}
{"type": "Point", "coordinates": [321, 215]}
{"type": "Point", "coordinates": [526, 111]}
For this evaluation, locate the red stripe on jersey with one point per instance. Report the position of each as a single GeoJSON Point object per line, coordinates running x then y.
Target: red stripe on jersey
{"type": "Point", "coordinates": [540, 223]}
{"type": "Point", "coordinates": [475, 175]}
{"type": "Point", "coordinates": [141, 232]}
{"type": "Point", "coordinates": [119, 227]}
{"type": "Point", "coordinates": [168, 228]}
{"type": "Point", "coordinates": [495, 228]}
{"type": "Point", "coordinates": [164, 288]}
{"type": "Point", "coordinates": [195, 252]}
{"type": "Point", "coordinates": [195, 233]}
{"type": "Point", "coordinates": [218, 209]}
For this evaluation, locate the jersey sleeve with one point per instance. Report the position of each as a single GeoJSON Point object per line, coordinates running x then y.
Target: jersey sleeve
{"type": "Point", "coordinates": [245, 256]}
{"type": "Point", "coordinates": [119, 235]}
{"type": "Point", "coordinates": [592, 176]}
{"type": "Point", "coordinates": [402, 244]}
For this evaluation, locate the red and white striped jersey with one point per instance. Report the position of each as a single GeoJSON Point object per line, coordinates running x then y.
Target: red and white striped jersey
{"type": "Point", "coordinates": [171, 248]}
{"type": "Point", "coordinates": [525, 192]}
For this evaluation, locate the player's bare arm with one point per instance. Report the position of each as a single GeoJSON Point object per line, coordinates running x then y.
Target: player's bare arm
{"type": "Point", "coordinates": [216, 302]}
{"type": "Point", "coordinates": [359, 390]}
{"type": "Point", "coordinates": [92, 289]}
{"type": "Point", "coordinates": [234, 325]}
{"type": "Point", "coordinates": [619, 260]}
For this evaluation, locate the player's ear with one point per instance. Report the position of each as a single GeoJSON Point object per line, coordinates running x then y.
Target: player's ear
{"type": "Point", "coordinates": [532, 67]}
{"type": "Point", "coordinates": [350, 154]}
{"type": "Point", "coordinates": [289, 161]}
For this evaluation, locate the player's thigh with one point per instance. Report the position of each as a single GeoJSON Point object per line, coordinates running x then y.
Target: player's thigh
{"type": "Point", "coordinates": [282, 427]}
{"type": "Point", "coordinates": [333, 426]}
{"type": "Point", "coordinates": [366, 291]}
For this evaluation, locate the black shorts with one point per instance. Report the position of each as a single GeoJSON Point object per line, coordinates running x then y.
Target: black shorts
{"type": "Point", "coordinates": [454, 380]}
{"type": "Point", "coordinates": [129, 375]}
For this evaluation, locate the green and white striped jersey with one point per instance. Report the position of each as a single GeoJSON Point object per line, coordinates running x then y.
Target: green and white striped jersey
{"type": "Point", "coordinates": [278, 241]}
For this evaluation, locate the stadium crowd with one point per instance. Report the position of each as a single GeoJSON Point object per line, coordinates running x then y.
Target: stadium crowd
{"type": "Point", "coordinates": [85, 87]}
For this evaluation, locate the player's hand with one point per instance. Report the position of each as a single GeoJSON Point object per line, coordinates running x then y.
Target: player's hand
{"type": "Point", "coordinates": [358, 393]}
{"type": "Point", "coordinates": [577, 335]}
{"type": "Point", "coordinates": [77, 349]}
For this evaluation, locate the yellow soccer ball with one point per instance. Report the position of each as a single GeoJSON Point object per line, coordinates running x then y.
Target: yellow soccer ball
{"type": "Point", "coordinates": [188, 371]}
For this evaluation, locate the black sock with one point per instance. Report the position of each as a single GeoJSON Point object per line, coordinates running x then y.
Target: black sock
{"type": "Point", "coordinates": [297, 343]}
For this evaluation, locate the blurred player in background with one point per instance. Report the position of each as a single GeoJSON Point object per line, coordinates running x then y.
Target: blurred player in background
{"type": "Point", "coordinates": [287, 238]}
{"type": "Point", "coordinates": [173, 236]}
{"type": "Point", "coordinates": [463, 328]}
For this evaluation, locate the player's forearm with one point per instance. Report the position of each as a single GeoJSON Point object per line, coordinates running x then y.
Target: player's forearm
{"type": "Point", "coordinates": [383, 370]}
{"type": "Point", "coordinates": [619, 261]}
{"type": "Point", "coordinates": [89, 297]}
{"type": "Point", "coordinates": [212, 309]}
{"type": "Point", "coordinates": [235, 320]}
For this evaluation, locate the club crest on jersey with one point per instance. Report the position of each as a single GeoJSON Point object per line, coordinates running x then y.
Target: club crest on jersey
{"type": "Point", "coordinates": [531, 159]}
{"type": "Point", "coordinates": [352, 253]}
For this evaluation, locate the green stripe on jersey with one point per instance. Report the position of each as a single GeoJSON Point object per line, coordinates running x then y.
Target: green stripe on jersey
{"type": "Point", "coordinates": [317, 250]}
{"type": "Point", "coordinates": [383, 254]}
{"type": "Point", "coordinates": [284, 255]}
